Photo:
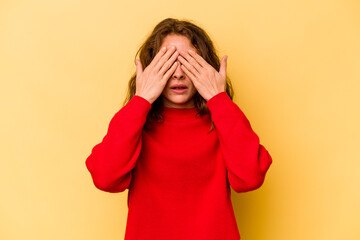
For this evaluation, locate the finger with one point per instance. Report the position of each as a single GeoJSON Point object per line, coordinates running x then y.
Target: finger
{"type": "Point", "coordinates": [192, 61]}
{"type": "Point", "coordinates": [139, 69]}
{"type": "Point", "coordinates": [157, 57]}
{"type": "Point", "coordinates": [164, 58]}
{"type": "Point", "coordinates": [188, 73]}
{"type": "Point", "coordinates": [188, 66]}
{"type": "Point", "coordinates": [170, 71]}
{"type": "Point", "coordinates": [198, 58]}
{"type": "Point", "coordinates": [169, 62]}
{"type": "Point", "coordinates": [223, 66]}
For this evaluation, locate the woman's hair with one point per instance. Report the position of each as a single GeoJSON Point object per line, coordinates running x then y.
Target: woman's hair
{"type": "Point", "coordinates": [199, 39]}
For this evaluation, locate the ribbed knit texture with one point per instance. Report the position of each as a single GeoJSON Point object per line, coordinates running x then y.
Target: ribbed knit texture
{"type": "Point", "coordinates": [179, 174]}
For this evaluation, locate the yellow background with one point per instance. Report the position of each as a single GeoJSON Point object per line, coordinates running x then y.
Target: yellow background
{"type": "Point", "coordinates": [64, 69]}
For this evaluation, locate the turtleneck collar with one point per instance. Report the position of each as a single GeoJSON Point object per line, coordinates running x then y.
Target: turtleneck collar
{"type": "Point", "coordinates": [179, 114]}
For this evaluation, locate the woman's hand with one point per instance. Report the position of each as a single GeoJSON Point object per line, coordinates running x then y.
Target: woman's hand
{"type": "Point", "coordinates": [205, 78]}
{"type": "Point", "coordinates": [151, 82]}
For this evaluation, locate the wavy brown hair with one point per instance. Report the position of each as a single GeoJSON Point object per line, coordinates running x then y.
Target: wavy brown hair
{"type": "Point", "coordinates": [199, 39]}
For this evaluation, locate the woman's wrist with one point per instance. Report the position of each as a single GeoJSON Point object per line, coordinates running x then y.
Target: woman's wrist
{"type": "Point", "coordinates": [146, 98]}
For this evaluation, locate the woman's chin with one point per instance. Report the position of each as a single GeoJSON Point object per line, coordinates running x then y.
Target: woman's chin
{"type": "Point", "coordinates": [177, 101]}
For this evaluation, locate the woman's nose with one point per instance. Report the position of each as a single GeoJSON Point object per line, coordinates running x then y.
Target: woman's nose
{"type": "Point", "coordinates": [178, 73]}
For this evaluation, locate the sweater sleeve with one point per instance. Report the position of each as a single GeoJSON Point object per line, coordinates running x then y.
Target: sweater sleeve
{"type": "Point", "coordinates": [111, 161]}
{"type": "Point", "coordinates": [246, 160]}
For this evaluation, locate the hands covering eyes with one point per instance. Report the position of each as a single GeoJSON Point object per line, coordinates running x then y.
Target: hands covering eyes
{"type": "Point", "coordinates": [151, 82]}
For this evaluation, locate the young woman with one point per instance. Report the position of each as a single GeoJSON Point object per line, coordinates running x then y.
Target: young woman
{"type": "Point", "coordinates": [179, 142]}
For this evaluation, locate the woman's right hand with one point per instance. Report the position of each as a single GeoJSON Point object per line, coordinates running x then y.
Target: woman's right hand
{"type": "Point", "coordinates": [151, 82]}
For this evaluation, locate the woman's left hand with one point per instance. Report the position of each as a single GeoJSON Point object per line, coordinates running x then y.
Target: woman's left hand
{"type": "Point", "coordinates": [205, 78]}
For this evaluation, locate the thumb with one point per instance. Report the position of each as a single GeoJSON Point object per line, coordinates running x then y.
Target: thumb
{"type": "Point", "coordinates": [139, 69]}
{"type": "Point", "coordinates": [223, 66]}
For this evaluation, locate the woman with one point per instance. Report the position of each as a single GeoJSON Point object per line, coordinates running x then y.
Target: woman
{"type": "Point", "coordinates": [179, 142]}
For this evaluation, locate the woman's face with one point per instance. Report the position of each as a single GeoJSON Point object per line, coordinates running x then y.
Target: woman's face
{"type": "Point", "coordinates": [176, 98]}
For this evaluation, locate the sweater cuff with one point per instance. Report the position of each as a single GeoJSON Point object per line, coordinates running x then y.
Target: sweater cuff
{"type": "Point", "coordinates": [220, 95]}
{"type": "Point", "coordinates": [136, 108]}
{"type": "Point", "coordinates": [221, 104]}
{"type": "Point", "coordinates": [141, 102]}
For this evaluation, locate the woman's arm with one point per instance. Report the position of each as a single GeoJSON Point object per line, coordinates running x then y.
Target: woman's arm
{"type": "Point", "coordinates": [246, 160]}
{"type": "Point", "coordinates": [111, 161]}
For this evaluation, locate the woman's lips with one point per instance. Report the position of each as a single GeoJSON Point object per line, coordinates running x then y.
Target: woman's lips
{"type": "Point", "coordinates": [179, 90]}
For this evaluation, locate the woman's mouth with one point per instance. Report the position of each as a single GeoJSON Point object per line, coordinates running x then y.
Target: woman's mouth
{"type": "Point", "coordinates": [179, 90]}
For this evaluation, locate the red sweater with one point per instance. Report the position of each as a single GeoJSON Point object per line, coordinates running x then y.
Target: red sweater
{"type": "Point", "coordinates": [179, 174]}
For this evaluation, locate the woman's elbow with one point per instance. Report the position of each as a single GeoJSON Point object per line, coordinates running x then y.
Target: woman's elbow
{"type": "Point", "coordinates": [116, 186]}
{"type": "Point", "coordinates": [246, 184]}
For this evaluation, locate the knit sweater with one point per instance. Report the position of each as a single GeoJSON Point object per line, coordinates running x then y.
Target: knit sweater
{"type": "Point", "coordinates": [179, 174]}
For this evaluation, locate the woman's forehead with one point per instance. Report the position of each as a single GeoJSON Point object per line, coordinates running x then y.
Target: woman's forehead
{"type": "Point", "coordinates": [182, 43]}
